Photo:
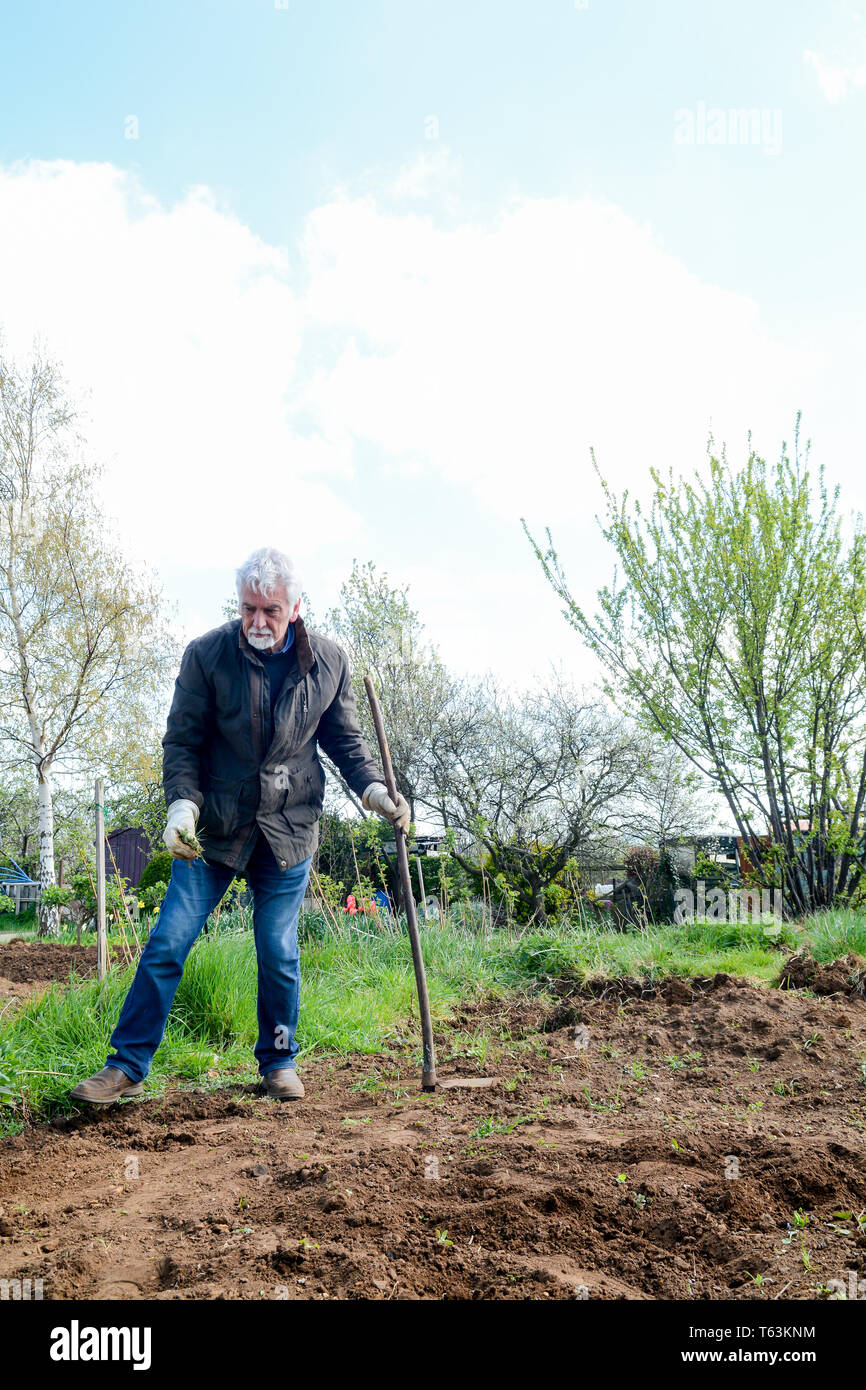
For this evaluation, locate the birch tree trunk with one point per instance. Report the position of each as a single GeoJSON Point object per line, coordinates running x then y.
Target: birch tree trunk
{"type": "Point", "coordinates": [49, 917]}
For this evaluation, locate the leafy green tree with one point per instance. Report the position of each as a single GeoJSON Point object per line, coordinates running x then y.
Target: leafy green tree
{"type": "Point", "coordinates": [739, 636]}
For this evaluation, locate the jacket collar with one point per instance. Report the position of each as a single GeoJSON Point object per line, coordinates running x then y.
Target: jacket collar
{"type": "Point", "coordinates": [303, 646]}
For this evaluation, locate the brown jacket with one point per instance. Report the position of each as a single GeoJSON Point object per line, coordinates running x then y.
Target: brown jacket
{"type": "Point", "coordinates": [215, 754]}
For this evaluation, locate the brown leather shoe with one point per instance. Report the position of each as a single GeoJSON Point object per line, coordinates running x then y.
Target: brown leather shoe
{"type": "Point", "coordinates": [283, 1084]}
{"type": "Point", "coordinates": [106, 1087]}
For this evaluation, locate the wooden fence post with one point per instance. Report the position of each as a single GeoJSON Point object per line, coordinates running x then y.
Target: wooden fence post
{"type": "Point", "coordinates": [101, 943]}
{"type": "Point", "coordinates": [421, 885]}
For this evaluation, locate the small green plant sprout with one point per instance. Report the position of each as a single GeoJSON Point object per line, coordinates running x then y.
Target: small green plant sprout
{"type": "Point", "coordinates": [754, 1065]}
{"type": "Point", "coordinates": [306, 1244]}
{"type": "Point", "coordinates": [834, 1220]}
{"type": "Point", "coordinates": [834, 1291]}
{"type": "Point", "coordinates": [442, 1238]}
{"type": "Point", "coordinates": [621, 1177]}
{"type": "Point", "coordinates": [367, 1083]}
{"type": "Point", "coordinates": [243, 1203]}
{"type": "Point", "coordinates": [800, 1219]}
{"type": "Point", "coordinates": [640, 1200]}
{"type": "Point", "coordinates": [675, 1146]}
{"type": "Point", "coordinates": [759, 1281]}
{"type": "Point", "coordinates": [674, 1062]}
{"type": "Point", "coordinates": [812, 1041]}
{"type": "Point", "coordinates": [192, 841]}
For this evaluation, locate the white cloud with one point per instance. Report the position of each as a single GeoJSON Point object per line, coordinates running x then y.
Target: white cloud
{"type": "Point", "coordinates": [246, 394]}
{"type": "Point", "coordinates": [431, 172]}
{"type": "Point", "coordinates": [184, 329]}
{"type": "Point", "coordinates": [494, 355]}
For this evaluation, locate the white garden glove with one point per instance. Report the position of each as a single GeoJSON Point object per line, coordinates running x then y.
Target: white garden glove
{"type": "Point", "coordinates": [376, 798]}
{"type": "Point", "coordinates": [182, 815]}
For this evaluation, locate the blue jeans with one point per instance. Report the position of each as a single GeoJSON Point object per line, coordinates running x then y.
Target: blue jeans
{"type": "Point", "coordinates": [195, 889]}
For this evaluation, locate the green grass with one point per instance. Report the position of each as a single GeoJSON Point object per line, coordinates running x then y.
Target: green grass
{"type": "Point", "coordinates": [836, 933]}
{"type": "Point", "coordinates": [358, 991]}
{"type": "Point", "coordinates": [691, 948]}
{"type": "Point", "coordinates": [358, 994]}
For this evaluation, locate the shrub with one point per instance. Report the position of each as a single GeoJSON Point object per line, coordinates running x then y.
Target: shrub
{"type": "Point", "coordinates": [641, 862]}
{"type": "Point", "coordinates": [153, 895]}
{"type": "Point", "coordinates": [157, 870]}
{"type": "Point", "coordinates": [52, 896]}
{"type": "Point", "coordinates": [331, 891]}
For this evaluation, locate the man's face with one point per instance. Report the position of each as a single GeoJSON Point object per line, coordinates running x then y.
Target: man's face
{"type": "Point", "coordinates": [265, 618]}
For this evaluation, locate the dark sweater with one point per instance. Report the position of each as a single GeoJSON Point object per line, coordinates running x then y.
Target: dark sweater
{"type": "Point", "coordinates": [277, 666]}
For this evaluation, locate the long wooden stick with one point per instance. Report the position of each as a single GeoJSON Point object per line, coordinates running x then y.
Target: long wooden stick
{"type": "Point", "coordinates": [428, 1068]}
{"type": "Point", "coordinates": [101, 943]}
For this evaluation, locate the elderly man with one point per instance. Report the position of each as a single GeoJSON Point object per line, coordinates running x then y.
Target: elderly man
{"type": "Point", "coordinates": [252, 701]}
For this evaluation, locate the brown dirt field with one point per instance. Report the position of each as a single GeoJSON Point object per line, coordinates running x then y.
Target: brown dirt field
{"type": "Point", "coordinates": [600, 1165]}
{"type": "Point", "coordinates": [24, 962]}
{"type": "Point", "coordinates": [26, 967]}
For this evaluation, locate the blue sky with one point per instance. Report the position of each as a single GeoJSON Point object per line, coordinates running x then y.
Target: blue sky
{"type": "Point", "coordinates": [373, 277]}
{"type": "Point", "coordinates": [269, 107]}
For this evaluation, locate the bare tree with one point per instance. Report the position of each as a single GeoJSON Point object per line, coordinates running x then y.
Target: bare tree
{"type": "Point", "coordinates": [535, 780]}
{"type": "Point", "coordinates": [670, 798]}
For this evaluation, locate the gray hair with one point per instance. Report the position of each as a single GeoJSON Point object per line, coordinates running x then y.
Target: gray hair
{"type": "Point", "coordinates": [265, 569]}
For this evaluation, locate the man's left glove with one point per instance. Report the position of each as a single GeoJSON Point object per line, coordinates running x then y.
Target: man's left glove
{"type": "Point", "coordinates": [376, 798]}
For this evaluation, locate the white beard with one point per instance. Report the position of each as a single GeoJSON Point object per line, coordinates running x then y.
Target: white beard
{"type": "Point", "coordinates": [261, 644]}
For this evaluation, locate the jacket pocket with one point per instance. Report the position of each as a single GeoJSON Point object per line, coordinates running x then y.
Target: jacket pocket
{"type": "Point", "coordinates": [305, 795]}
{"type": "Point", "coordinates": [228, 805]}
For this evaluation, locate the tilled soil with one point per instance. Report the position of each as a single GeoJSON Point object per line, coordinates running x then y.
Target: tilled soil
{"type": "Point", "coordinates": [634, 1146]}
{"type": "Point", "coordinates": [27, 967]}
{"type": "Point", "coordinates": [26, 962]}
